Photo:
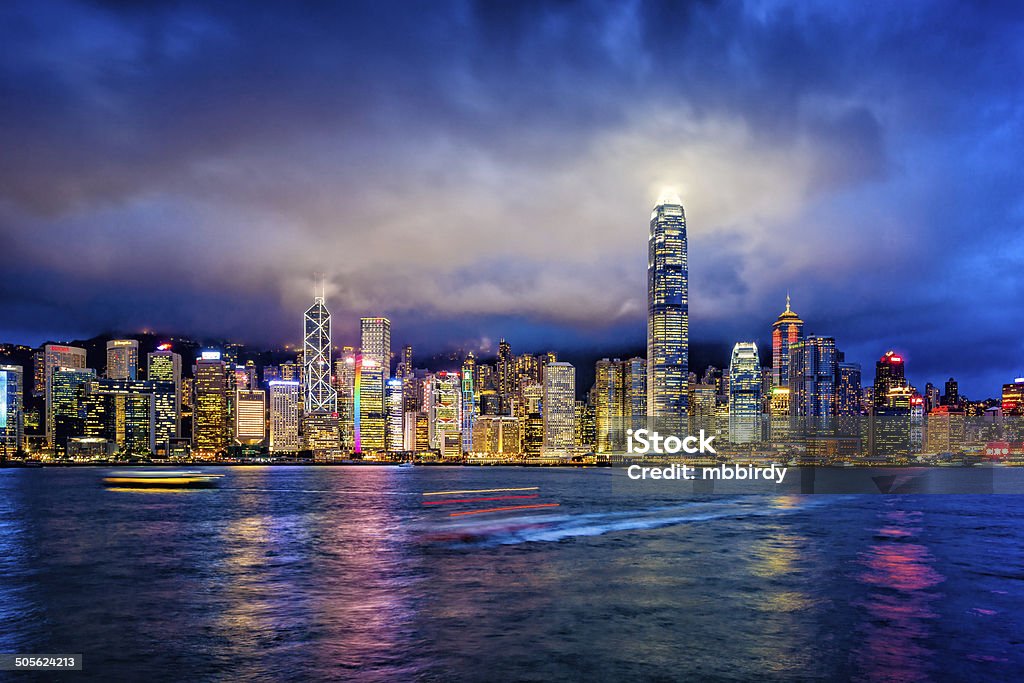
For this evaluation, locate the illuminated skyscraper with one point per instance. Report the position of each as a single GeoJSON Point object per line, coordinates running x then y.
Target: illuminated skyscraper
{"type": "Point", "coordinates": [165, 365]}
{"type": "Point", "coordinates": [375, 343]}
{"type": "Point", "coordinates": [57, 356]}
{"type": "Point", "coordinates": [320, 434]}
{"type": "Point", "coordinates": [368, 408]}
{"type": "Point", "coordinates": [395, 432]}
{"type": "Point", "coordinates": [12, 416]}
{"type": "Point", "coordinates": [505, 376]}
{"type": "Point", "coordinates": [668, 332]}
{"type": "Point", "coordinates": [812, 382]}
{"type": "Point", "coordinates": [1013, 398]}
{"type": "Point", "coordinates": [848, 398]}
{"type": "Point", "coordinates": [889, 375]}
{"type": "Point", "coordinates": [637, 379]}
{"type": "Point", "coordinates": [610, 398]}
{"type": "Point", "coordinates": [496, 435]}
{"type": "Point", "coordinates": [320, 396]}
{"type": "Point", "coordinates": [619, 401]}
{"type": "Point", "coordinates": [405, 367]}
{"type": "Point", "coordinates": [250, 416]}
{"type": "Point", "coordinates": [703, 400]}
{"type": "Point", "coordinates": [67, 407]}
{"type": "Point", "coordinates": [788, 329]}
{"type": "Point", "coordinates": [345, 377]}
{"type": "Point", "coordinates": [210, 428]}
{"type": "Point", "coordinates": [284, 416]}
{"type": "Point", "coordinates": [137, 415]}
{"type": "Point", "coordinates": [468, 401]}
{"type": "Point", "coordinates": [745, 394]}
{"type": "Point", "coordinates": [559, 407]}
{"type": "Point", "coordinates": [122, 359]}
{"type": "Point", "coordinates": [952, 396]}
{"type": "Point", "coordinates": [778, 411]}
{"type": "Point", "coordinates": [444, 404]}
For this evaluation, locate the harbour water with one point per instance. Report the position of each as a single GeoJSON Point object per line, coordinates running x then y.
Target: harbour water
{"type": "Point", "coordinates": [353, 573]}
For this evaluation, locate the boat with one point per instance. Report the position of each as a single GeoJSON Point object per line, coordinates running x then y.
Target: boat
{"type": "Point", "coordinates": [407, 463]}
{"type": "Point", "coordinates": [162, 479]}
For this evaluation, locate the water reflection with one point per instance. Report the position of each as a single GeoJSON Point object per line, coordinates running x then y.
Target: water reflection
{"type": "Point", "coordinates": [901, 575]}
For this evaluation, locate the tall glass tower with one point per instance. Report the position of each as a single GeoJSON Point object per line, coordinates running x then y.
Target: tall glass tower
{"type": "Point", "coordinates": [668, 328]}
{"type": "Point", "coordinates": [787, 330]}
{"type": "Point", "coordinates": [745, 394]}
{"type": "Point", "coordinates": [316, 354]}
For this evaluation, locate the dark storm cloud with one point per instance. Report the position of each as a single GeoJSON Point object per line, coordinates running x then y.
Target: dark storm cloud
{"type": "Point", "coordinates": [478, 170]}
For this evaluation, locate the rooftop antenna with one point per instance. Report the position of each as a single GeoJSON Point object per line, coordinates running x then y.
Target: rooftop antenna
{"type": "Point", "coordinates": [787, 302]}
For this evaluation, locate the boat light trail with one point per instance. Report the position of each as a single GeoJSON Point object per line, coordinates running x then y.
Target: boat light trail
{"type": "Point", "coordinates": [451, 493]}
{"type": "Point", "coordinates": [503, 509]}
{"type": "Point", "coordinates": [448, 501]}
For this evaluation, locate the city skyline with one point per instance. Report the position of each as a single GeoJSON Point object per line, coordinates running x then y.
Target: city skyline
{"type": "Point", "coordinates": [496, 204]}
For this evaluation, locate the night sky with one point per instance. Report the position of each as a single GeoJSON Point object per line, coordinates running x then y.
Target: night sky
{"type": "Point", "coordinates": [484, 170]}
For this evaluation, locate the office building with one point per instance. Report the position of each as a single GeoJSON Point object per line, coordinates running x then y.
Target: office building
{"type": "Point", "coordinates": [319, 395]}
{"type": "Point", "coordinates": [210, 426]}
{"type": "Point", "coordinates": [67, 406]}
{"type": "Point", "coordinates": [496, 436]}
{"type": "Point", "coordinates": [668, 332]}
{"type": "Point", "coordinates": [58, 356]}
{"type": "Point", "coordinates": [559, 408]}
{"type": "Point", "coordinates": [284, 416]}
{"type": "Point", "coordinates": [122, 359]}
{"type": "Point", "coordinates": [12, 410]}
{"type": "Point", "coordinates": [368, 407]}
{"type": "Point", "coordinates": [250, 416]}
{"type": "Point", "coordinates": [787, 330]}
{"type": "Point", "coordinates": [394, 438]}
{"type": "Point", "coordinates": [444, 404]}
{"type": "Point", "coordinates": [164, 365]}
{"type": "Point", "coordinates": [375, 343]}
{"type": "Point", "coordinates": [1013, 398]}
{"type": "Point", "coordinates": [889, 375]}
{"type": "Point", "coordinates": [812, 383]}
{"type": "Point", "coordinates": [745, 394]}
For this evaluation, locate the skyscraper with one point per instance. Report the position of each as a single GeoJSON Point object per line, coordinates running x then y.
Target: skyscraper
{"type": "Point", "coordinates": [395, 430]}
{"type": "Point", "coordinates": [444, 404]}
{"type": "Point", "coordinates": [12, 417]}
{"type": "Point", "coordinates": [210, 432]}
{"type": "Point", "coordinates": [57, 356]}
{"type": "Point", "coordinates": [619, 401]}
{"type": "Point", "coordinates": [1013, 398]}
{"type": "Point", "coordinates": [67, 407]}
{"type": "Point", "coordinates": [320, 396]}
{"type": "Point", "coordinates": [952, 395]}
{"type": "Point", "coordinates": [122, 359]}
{"type": "Point", "coordinates": [250, 416]}
{"type": "Point", "coordinates": [375, 343]}
{"type": "Point", "coordinates": [848, 398]}
{"type": "Point", "coordinates": [559, 407]}
{"type": "Point", "coordinates": [284, 416]}
{"type": "Point", "coordinates": [787, 330]}
{"type": "Point", "coordinates": [468, 401]}
{"type": "Point", "coordinates": [505, 376]}
{"type": "Point", "coordinates": [812, 382]}
{"type": "Point", "coordinates": [668, 331]}
{"type": "Point", "coordinates": [889, 375]}
{"type": "Point", "coordinates": [165, 365]}
{"type": "Point", "coordinates": [368, 406]}
{"type": "Point", "coordinates": [345, 370]}
{"type": "Point", "coordinates": [745, 394]}
{"type": "Point", "coordinates": [137, 415]}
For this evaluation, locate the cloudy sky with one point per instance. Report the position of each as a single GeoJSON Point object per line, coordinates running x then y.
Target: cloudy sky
{"type": "Point", "coordinates": [484, 170]}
